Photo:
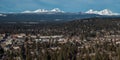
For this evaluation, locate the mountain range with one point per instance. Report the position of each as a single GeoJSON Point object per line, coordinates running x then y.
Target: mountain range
{"type": "Point", "coordinates": [43, 15]}
{"type": "Point", "coordinates": [2, 15]}
{"type": "Point", "coordinates": [102, 12]}
{"type": "Point", "coordinates": [55, 10]}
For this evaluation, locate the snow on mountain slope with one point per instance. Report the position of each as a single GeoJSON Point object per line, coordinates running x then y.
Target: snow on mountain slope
{"type": "Point", "coordinates": [2, 15]}
{"type": "Point", "coordinates": [40, 10]}
{"type": "Point", "coordinates": [44, 11]}
{"type": "Point", "coordinates": [56, 10]}
{"type": "Point", "coordinates": [102, 12]}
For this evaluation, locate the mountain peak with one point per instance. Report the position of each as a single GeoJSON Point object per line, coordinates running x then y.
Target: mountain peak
{"type": "Point", "coordinates": [102, 12]}
{"type": "Point", "coordinates": [41, 10]}
{"type": "Point", "coordinates": [3, 15]}
{"type": "Point", "coordinates": [56, 10]}
{"type": "Point", "coordinates": [106, 12]}
{"type": "Point", "coordinates": [44, 10]}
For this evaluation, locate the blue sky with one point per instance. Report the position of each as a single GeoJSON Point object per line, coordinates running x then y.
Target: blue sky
{"type": "Point", "coordinates": [66, 5]}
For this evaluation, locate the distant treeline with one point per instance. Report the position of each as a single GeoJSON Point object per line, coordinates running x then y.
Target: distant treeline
{"type": "Point", "coordinates": [71, 28]}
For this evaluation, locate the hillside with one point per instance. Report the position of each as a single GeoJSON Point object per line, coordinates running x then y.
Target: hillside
{"type": "Point", "coordinates": [71, 28]}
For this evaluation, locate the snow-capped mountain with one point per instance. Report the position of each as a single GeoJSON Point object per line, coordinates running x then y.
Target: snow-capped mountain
{"type": "Point", "coordinates": [102, 12]}
{"type": "Point", "coordinates": [2, 15]}
{"type": "Point", "coordinates": [55, 10]}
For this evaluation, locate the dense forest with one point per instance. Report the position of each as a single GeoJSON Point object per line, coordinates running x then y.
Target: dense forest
{"type": "Point", "coordinates": [86, 40]}
{"type": "Point", "coordinates": [76, 27]}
